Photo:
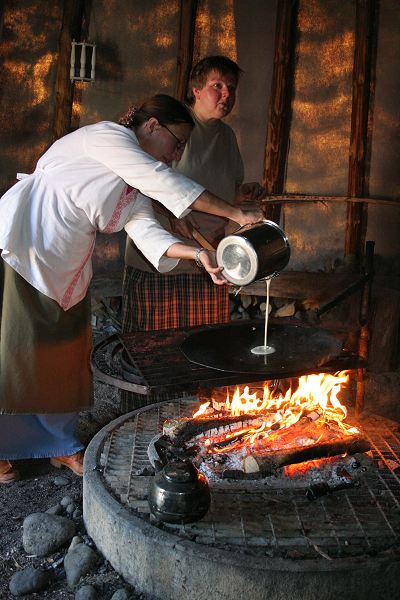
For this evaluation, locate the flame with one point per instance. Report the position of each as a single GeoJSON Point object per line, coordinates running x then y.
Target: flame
{"type": "Point", "coordinates": [201, 410]}
{"type": "Point", "coordinates": [314, 407]}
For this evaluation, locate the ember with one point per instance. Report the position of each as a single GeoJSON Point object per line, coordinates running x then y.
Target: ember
{"type": "Point", "coordinates": [253, 434]}
{"type": "Point", "coordinates": [314, 401]}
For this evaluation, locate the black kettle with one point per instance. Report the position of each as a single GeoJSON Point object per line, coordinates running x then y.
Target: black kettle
{"type": "Point", "coordinates": [179, 493]}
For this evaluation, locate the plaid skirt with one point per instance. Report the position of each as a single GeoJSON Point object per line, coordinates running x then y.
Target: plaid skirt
{"type": "Point", "coordinates": [151, 301]}
{"type": "Point", "coordinates": [44, 351]}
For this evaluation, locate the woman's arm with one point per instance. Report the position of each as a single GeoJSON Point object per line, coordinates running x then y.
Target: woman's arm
{"type": "Point", "coordinates": [117, 149]}
{"type": "Point", "coordinates": [201, 256]}
{"type": "Point", "coordinates": [209, 203]}
{"type": "Point", "coordinates": [160, 247]}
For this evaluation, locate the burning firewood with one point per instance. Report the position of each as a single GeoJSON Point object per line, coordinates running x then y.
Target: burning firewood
{"type": "Point", "coordinates": [252, 435]}
{"type": "Point", "coordinates": [268, 463]}
{"type": "Point", "coordinates": [181, 430]}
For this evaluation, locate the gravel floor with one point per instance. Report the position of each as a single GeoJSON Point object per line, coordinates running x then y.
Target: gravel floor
{"type": "Point", "coordinates": [38, 490]}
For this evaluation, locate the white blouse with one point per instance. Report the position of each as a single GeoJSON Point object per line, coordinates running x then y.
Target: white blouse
{"type": "Point", "coordinates": [95, 178]}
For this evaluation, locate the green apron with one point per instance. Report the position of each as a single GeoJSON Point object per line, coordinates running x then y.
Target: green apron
{"type": "Point", "coordinates": [44, 351]}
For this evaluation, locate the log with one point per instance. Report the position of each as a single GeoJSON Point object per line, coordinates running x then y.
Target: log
{"type": "Point", "coordinates": [181, 430]}
{"type": "Point", "coordinates": [267, 464]}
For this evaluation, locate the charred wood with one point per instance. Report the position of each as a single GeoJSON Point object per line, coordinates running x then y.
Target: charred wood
{"type": "Point", "coordinates": [269, 463]}
{"type": "Point", "coordinates": [181, 430]}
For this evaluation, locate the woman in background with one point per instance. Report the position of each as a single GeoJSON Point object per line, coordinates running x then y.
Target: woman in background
{"type": "Point", "coordinates": [185, 296]}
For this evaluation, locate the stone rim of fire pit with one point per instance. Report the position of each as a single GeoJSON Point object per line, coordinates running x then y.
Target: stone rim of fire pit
{"type": "Point", "coordinates": [162, 564]}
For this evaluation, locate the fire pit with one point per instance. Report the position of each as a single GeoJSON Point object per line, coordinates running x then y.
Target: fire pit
{"type": "Point", "coordinates": [277, 527]}
{"type": "Point", "coordinates": [257, 435]}
{"type": "Point", "coordinates": [277, 536]}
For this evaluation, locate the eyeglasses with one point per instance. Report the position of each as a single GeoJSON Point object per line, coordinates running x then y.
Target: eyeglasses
{"type": "Point", "coordinates": [180, 145]}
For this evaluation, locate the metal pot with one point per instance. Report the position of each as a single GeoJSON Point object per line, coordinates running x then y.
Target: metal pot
{"type": "Point", "coordinates": [253, 252]}
{"type": "Point", "coordinates": [179, 493]}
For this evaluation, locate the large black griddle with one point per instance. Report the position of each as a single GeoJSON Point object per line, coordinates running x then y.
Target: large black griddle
{"type": "Point", "coordinates": [228, 348]}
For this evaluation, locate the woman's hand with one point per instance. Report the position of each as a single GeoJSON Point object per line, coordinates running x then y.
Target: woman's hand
{"type": "Point", "coordinates": [209, 263]}
{"type": "Point", "coordinates": [202, 257]}
{"type": "Point", "coordinates": [209, 203]}
{"type": "Point", "coordinates": [250, 192]}
{"type": "Point", "coordinates": [248, 217]}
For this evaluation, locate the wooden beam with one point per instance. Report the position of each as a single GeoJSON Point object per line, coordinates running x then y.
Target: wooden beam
{"type": "Point", "coordinates": [298, 198]}
{"type": "Point", "coordinates": [188, 12]}
{"type": "Point", "coordinates": [364, 66]}
{"type": "Point", "coordinates": [1, 19]}
{"type": "Point", "coordinates": [70, 30]}
{"type": "Point", "coordinates": [277, 138]}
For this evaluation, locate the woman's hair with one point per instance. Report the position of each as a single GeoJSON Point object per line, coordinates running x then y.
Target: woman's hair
{"type": "Point", "coordinates": [165, 109]}
{"type": "Point", "coordinates": [198, 76]}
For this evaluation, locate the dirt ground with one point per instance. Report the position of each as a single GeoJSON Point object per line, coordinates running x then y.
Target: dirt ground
{"type": "Point", "coordinates": [36, 492]}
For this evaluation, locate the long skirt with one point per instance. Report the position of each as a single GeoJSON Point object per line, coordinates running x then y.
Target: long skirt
{"type": "Point", "coordinates": [154, 301]}
{"type": "Point", "coordinates": [44, 368]}
{"type": "Point", "coordinates": [38, 436]}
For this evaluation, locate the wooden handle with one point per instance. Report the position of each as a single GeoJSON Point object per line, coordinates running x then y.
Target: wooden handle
{"type": "Point", "coordinates": [202, 240]}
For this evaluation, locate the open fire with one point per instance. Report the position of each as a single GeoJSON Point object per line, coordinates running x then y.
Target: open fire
{"type": "Point", "coordinates": [269, 432]}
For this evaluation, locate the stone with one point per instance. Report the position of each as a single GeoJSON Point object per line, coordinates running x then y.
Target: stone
{"type": "Point", "coordinates": [66, 500]}
{"type": "Point", "coordinates": [28, 581]}
{"type": "Point", "coordinates": [86, 592]}
{"type": "Point", "coordinates": [45, 533]}
{"type": "Point", "coordinates": [74, 542]}
{"type": "Point", "coordinates": [57, 509]}
{"type": "Point", "coordinates": [121, 594]}
{"type": "Point", "coordinates": [61, 481]}
{"type": "Point", "coordinates": [78, 562]}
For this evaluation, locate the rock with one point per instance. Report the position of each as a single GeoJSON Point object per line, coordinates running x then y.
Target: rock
{"type": "Point", "coordinates": [70, 509]}
{"type": "Point", "coordinates": [74, 542]}
{"type": "Point", "coordinates": [57, 509]}
{"type": "Point", "coordinates": [66, 500]}
{"type": "Point", "coordinates": [86, 592]}
{"type": "Point", "coordinates": [77, 514]}
{"type": "Point", "coordinates": [78, 562]}
{"type": "Point", "coordinates": [61, 481]}
{"type": "Point", "coordinates": [28, 581]}
{"type": "Point", "coordinates": [121, 594]}
{"type": "Point", "coordinates": [44, 533]}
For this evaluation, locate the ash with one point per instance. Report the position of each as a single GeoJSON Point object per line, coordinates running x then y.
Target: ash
{"type": "Point", "coordinates": [334, 472]}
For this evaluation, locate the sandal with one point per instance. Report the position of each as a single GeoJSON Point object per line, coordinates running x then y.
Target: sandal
{"type": "Point", "coordinates": [73, 462]}
{"type": "Point", "coordinates": [7, 472]}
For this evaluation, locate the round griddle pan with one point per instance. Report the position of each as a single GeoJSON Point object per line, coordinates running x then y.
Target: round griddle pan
{"type": "Point", "coordinates": [228, 348]}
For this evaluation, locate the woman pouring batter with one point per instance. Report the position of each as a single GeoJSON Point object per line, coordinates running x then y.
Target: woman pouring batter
{"type": "Point", "coordinates": [94, 179]}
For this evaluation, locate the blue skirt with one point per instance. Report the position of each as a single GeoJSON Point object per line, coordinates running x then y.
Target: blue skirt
{"type": "Point", "coordinates": [38, 436]}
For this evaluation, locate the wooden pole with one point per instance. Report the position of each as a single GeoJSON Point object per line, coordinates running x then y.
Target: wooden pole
{"type": "Point", "coordinates": [277, 139]}
{"type": "Point", "coordinates": [185, 51]}
{"type": "Point", "coordinates": [70, 29]}
{"type": "Point", "coordinates": [363, 68]}
{"type": "Point", "coordinates": [363, 340]}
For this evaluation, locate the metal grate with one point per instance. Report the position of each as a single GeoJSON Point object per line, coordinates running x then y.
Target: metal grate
{"type": "Point", "coordinates": [268, 520]}
{"type": "Point", "coordinates": [154, 364]}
